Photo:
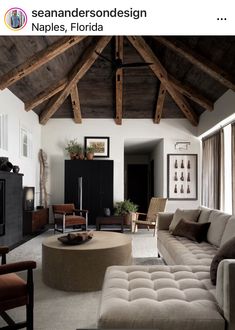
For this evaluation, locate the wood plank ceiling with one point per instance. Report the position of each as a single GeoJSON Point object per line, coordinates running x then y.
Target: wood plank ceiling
{"type": "Point", "coordinates": [66, 77]}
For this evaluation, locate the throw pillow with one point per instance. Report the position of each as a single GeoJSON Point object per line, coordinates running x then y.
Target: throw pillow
{"type": "Point", "coordinates": [226, 251]}
{"type": "Point", "coordinates": [190, 215]}
{"type": "Point", "coordinates": [192, 230]}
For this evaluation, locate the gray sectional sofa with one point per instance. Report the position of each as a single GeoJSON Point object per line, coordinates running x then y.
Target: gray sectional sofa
{"type": "Point", "coordinates": [182, 251]}
{"type": "Point", "coordinates": [178, 295]}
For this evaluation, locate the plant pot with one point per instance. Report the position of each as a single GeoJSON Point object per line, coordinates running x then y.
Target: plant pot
{"type": "Point", "coordinates": [72, 155]}
{"type": "Point", "coordinates": [81, 156]}
{"type": "Point", "coordinates": [128, 220]}
{"type": "Point", "coordinates": [89, 156]}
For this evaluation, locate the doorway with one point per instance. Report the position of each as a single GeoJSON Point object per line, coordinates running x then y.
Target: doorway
{"type": "Point", "coordinates": [138, 185]}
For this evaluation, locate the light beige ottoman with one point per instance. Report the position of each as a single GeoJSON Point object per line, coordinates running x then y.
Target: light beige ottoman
{"type": "Point", "coordinates": [82, 267]}
{"type": "Point", "coordinates": [159, 297]}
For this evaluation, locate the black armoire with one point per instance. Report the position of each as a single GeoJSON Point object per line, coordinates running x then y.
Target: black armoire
{"type": "Point", "coordinates": [95, 179]}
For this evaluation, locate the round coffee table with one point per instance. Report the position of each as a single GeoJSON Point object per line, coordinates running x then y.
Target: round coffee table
{"type": "Point", "coordinates": [82, 267]}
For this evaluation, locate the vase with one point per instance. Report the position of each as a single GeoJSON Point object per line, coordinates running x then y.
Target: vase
{"type": "Point", "coordinates": [3, 160]}
{"type": "Point", "coordinates": [107, 212]}
{"type": "Point", "coordinates": [16, 169]}
{"type": "Point", "coordinates": [6, 166]}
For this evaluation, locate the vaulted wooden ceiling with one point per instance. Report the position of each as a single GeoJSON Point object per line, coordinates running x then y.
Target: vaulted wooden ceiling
{"type": "Point", "coordinates": [65, 77]}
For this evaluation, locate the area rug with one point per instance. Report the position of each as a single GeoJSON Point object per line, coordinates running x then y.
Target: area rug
{"type": "Point", "coordinates": [60, 310]}
{"type": "Point", "coordinates": [148, 261]}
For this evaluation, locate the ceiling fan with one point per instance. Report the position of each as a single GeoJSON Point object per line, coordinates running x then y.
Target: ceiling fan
{"type": "Point", "coordinates": [118, 64]}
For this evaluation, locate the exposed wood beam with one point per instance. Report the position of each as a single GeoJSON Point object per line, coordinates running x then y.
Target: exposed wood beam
{"type": "Point", "coordinates": [148, 55]}
{"type": "Point", "coordinates": [119, 80]}
{"type": "Point", "coordinates": [45, 95]}
{"type": "Point", "coordinates": [192, 94]}
{"type": "Point", "coordinates": [200, 61]}
{"type": "Point", "coordinates": [88, 58]}
{"type": "Point", "coordinates": [39, 59]}
{"type": "Point", "coordinates": [76, 104]}
{"type": "Point", "coordinates": [160, 103]}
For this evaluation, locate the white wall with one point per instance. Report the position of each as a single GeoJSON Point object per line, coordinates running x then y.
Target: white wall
{"type": "Point", "coordinates": [14, 108]}
{"type": "Point", "coordinates": [57, 132]}
{"type": "Point", "coordinates": [223, 108]}
{"type": "Point", "coordinates": [158, 157]}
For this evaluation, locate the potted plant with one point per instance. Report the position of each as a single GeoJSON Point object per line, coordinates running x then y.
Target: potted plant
{"type": "Point", "coordinates": [126, 208]}
{"type": "Point", "coordinates": [90, 153]}
{"type": "Point", "coordinates": [75, 150]}
{"type": "Point", "coordinates": [80, 153]}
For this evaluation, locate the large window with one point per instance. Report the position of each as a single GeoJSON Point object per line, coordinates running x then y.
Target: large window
{"type": "Point", "coordinates": [218, 171]}
{"type": "Point", "coordinates": [212, 174]}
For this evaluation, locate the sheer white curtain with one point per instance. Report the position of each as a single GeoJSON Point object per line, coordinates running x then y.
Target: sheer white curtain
{"type": "Point", "coordinates": [213, 171]}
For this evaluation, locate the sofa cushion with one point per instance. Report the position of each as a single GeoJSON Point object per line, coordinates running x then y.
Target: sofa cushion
{"type": "Point", "coordinates": [192, 230]}
{"type": "Point", "coordinates": [226, 251]}
{"type": "Point", "coordinates": [183, 251]}
{"type": "Point", "coordinates": [190, 215]}
{"type": "Point", "coordinates": [204, 214]}
{"type": "Point", "coordinates": [229, 231]}
{"type": "Point", "coordinates": [159, 297]}
{"type": "Point", "coordinates": [218, 222]}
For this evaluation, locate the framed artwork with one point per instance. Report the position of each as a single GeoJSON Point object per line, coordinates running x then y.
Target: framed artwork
{"type": "Point", "coordinates": [182, 176]}
{"type": "Point", "coordinates": [100, 145]}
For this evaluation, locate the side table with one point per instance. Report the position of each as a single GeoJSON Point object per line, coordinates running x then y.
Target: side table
{"type": "Point", "coordinates": [112, 220]}
{"type": "Point", "coordinates": [35, 220]}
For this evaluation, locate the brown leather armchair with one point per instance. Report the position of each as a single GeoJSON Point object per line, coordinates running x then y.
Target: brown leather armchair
{"type": "Point", "coordinates": [16, 292]}
{"type": "Point", "coordinates": [65, 215]}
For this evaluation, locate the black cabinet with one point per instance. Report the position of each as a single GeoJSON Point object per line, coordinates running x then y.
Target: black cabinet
{"type": "Point", "coordinates": [11, 208]}
{"type": "Point", "coordinates": [94, 180]}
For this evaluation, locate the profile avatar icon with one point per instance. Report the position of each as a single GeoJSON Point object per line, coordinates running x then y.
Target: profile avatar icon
{"type": "Point", "coordinates": [15, 19]}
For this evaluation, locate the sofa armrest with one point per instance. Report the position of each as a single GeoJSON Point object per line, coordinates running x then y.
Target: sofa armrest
{"type": "Point", "coordinates": [164, 220]}
{"type": "Point", "coordinates": [225, 290]}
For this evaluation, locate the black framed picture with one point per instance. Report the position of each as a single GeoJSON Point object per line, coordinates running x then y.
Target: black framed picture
{"type": "Point", "coordinates": [100, 144]}
{"type": "Point", "coordinates": [182, 176]}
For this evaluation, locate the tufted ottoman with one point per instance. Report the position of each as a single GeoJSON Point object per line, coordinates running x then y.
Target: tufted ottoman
{"type": "Point", "coordinates": [159, 297]}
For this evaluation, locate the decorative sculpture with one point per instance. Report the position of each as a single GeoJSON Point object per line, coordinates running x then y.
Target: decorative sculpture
{"type": "Point", "coordinates": [43, 195]}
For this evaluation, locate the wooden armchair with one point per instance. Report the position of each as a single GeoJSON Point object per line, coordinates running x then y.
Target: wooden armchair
{"type": "Point", "coordinates": [65, 215]}
{"type": "Point", "coordinates": [16, 292]}
{"type": "Point", "coordinates": [149, 219]}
